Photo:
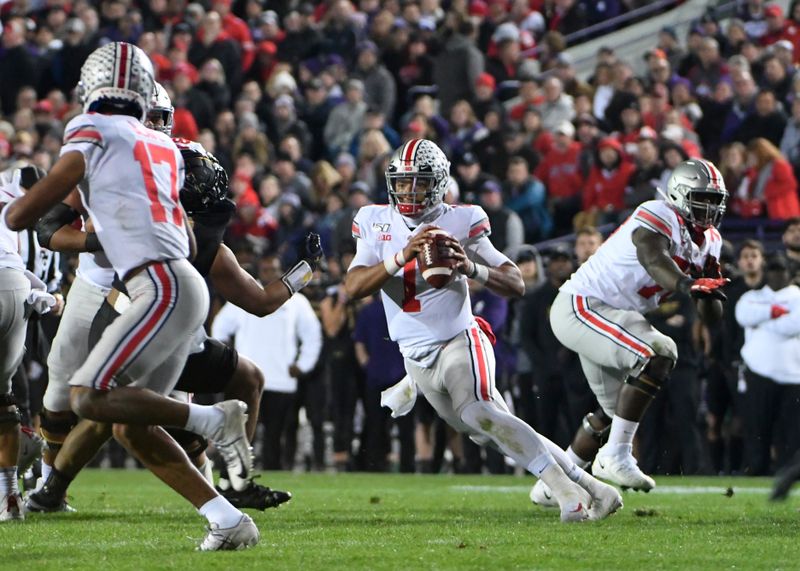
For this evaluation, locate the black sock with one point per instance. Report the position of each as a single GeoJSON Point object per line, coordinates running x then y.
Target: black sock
{"type": "Point", "coordinates": [55, 488]}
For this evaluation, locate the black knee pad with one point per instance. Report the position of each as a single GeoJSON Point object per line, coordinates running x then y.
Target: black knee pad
{"type": "Point", "coordinates": [193, 444]}
{"type": "Point", "coordinates": [591, 420]}
{"type": "Point", "coordinates": [61, 424]}
{"type": "Point", "coordinates": [654, 375]}
{"type": "Point", "coordinates": [12, 414]}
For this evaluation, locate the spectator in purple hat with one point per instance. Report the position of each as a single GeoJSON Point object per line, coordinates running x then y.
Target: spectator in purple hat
{"type": "Point", "coordinates": [380, 90]}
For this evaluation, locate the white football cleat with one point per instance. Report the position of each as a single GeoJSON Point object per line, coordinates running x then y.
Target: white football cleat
{"type": "Point", "coordinates": [605, 499]}
{"type": "Point", "coordinates": [241, 536]}
{"type": "Point", "coordinates": [231, 441]}
{"type": "Point", "coordinates": [575, 503]}
{"type": "Point", "coordinates": [541, 495]}
{"type": "Point", "coordinates": [11, 508]}
{"type": "Point", "coordinates": [620, 468]}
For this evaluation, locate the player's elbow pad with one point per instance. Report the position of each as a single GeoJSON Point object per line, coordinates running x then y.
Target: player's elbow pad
{"type": "Point", "coordinates": [56, 218]}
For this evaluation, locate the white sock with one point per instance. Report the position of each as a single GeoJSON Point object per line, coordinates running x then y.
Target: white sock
{"type": "Point", "coordinates": [577, 459]}
{"type": "Point", "coordinates": [46, 469]}
{"type": "Point", "coordinates": [540, 464]}
{"type": "Point", "coordinates": [220, 511]}
{"type": "Point", "coordinates": [207, 472]}
{"type": "Point", "coordinates": [555, 479]}
{"type": "Point", "coordinates": [622, 432]}
{"type": "Point", "coordinates": [8, 481]}
{"type": "Point", "coordinates": [204, 420]}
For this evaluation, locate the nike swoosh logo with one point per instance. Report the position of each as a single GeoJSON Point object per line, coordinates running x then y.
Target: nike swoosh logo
{"type": "Point", "coordinates": [599, 463]}
{"type": "Point", "coordinates": [578, 509]}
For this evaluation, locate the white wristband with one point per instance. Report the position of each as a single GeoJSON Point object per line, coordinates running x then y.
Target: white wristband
{"type": "Point", "coordinates": [394, 263]}
{"type": "Point", "coordinates": [480, 273]}
{"type": "Point", "coordinates": [298, 277]}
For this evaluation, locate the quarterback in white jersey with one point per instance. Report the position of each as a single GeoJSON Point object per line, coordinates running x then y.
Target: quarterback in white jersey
{"type": "Point", "coordinates": [598, 312]}
{"type": "Point", "coordinates": [129, 178]}
{"type": "Point", "coordinates": [448, 355]}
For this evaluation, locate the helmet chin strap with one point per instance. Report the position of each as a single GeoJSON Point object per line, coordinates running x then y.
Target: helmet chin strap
{"type": "Point", "coordinates": [432, 214]}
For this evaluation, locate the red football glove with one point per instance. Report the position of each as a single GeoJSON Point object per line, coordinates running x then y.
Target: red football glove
{"type": "Point", "coordinates": [707, 288]}
{"type": "Point", "coordinates": [777, 310]}
{"type": "Point", "coordinates": [712, 269]}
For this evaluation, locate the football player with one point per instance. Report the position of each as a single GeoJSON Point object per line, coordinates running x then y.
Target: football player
{"type": "Point", "coordinates": [448, 353]}
{"type": "Point", "coordinates": [16, 293]}
{"type": "Point", "coordinates": [665, 246]}
{"type": "Point", "coordinates": [215, 367]}
{"type": "Point", "coordinates": [129, 178]}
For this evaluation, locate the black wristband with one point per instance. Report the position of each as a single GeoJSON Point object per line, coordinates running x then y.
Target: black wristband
{"type": "Point", "coordinates": [93, 242]}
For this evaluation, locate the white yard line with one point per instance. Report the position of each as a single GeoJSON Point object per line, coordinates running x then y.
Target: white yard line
{"type": "Point", "coordinates": [677, 490]}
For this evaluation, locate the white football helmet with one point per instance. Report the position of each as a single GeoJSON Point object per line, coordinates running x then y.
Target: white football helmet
{"type": "Point", "coordinates": [161, 109]}
{"type": "Point", "coordinates": [423, 164]}
{"type": "Point", "coordinates": [119, 75]}
{"type": "Point", "coordinates": [697, 191]}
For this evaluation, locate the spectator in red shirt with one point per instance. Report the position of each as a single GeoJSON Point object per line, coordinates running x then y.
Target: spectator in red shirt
{"type": "Point", "coordinates": [778, 28]}
{"type": "Point", "coordinates": [237, 30]}
{"type": "Point", "coordinates": [604, 191]}
{"type": "Point", "coordinates": [561, 177]}
{"type": "Point", "coordinates": [770, 187]}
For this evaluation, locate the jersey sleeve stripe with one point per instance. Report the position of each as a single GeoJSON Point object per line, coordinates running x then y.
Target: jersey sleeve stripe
{"type": "Point", "coordinates": [481, 227]}
{"type": "Point", "coordinates": [356, 230]}
{"type": "Point", "coordinates": [654, 221]}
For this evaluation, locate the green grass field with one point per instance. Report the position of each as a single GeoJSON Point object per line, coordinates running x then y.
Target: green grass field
{"type": "Point", "coordinates": [128, 520]}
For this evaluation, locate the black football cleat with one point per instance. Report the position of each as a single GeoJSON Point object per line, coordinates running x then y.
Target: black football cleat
{"type": "Point", "coordinates": [784, 480]}
{"type": "Point", "coordinates": [255, 496]}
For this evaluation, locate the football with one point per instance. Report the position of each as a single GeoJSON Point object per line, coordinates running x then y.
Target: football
{"type": "Point", "coordinates": [436, 270]}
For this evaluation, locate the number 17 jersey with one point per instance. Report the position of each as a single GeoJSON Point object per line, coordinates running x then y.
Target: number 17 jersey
{"type": "Point", "coordinates": [130, 188]}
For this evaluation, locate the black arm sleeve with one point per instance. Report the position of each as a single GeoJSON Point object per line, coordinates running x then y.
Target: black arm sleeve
{"type": "Point", "coordinates": [59, 216]}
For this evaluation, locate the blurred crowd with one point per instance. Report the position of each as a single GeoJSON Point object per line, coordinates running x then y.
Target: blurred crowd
{"type": "Point", "coordinates": [303, 103]}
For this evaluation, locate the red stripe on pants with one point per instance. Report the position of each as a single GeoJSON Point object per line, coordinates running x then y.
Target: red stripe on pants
{"type": "Point", "coordinates": [483, 373]}
{"type": "Point", "coordinates": [139, 336]}
{"type": "Point", "coordinates": [632, 343]}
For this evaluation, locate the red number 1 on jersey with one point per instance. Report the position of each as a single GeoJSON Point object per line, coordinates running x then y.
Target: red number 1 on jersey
{"type": "Point", "coordinates": [410, 302]}
{"type": "Point", "coordinates": [146, 154]}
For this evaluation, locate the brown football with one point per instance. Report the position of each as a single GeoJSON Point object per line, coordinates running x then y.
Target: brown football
{"type": "Point", "coordinates": [436, 270]}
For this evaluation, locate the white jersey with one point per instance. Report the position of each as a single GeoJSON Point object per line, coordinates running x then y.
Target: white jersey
{"type": "Point", "coordinates": [614, 274]}
{"type": "Point", "coordinates": [9, 240]}
{"type": "Point", "coordinates": [421, 318]}
{"type": "Point", "coordinates": [130, 189]}
{"type": "Point", "coordinates": [43, 263]}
